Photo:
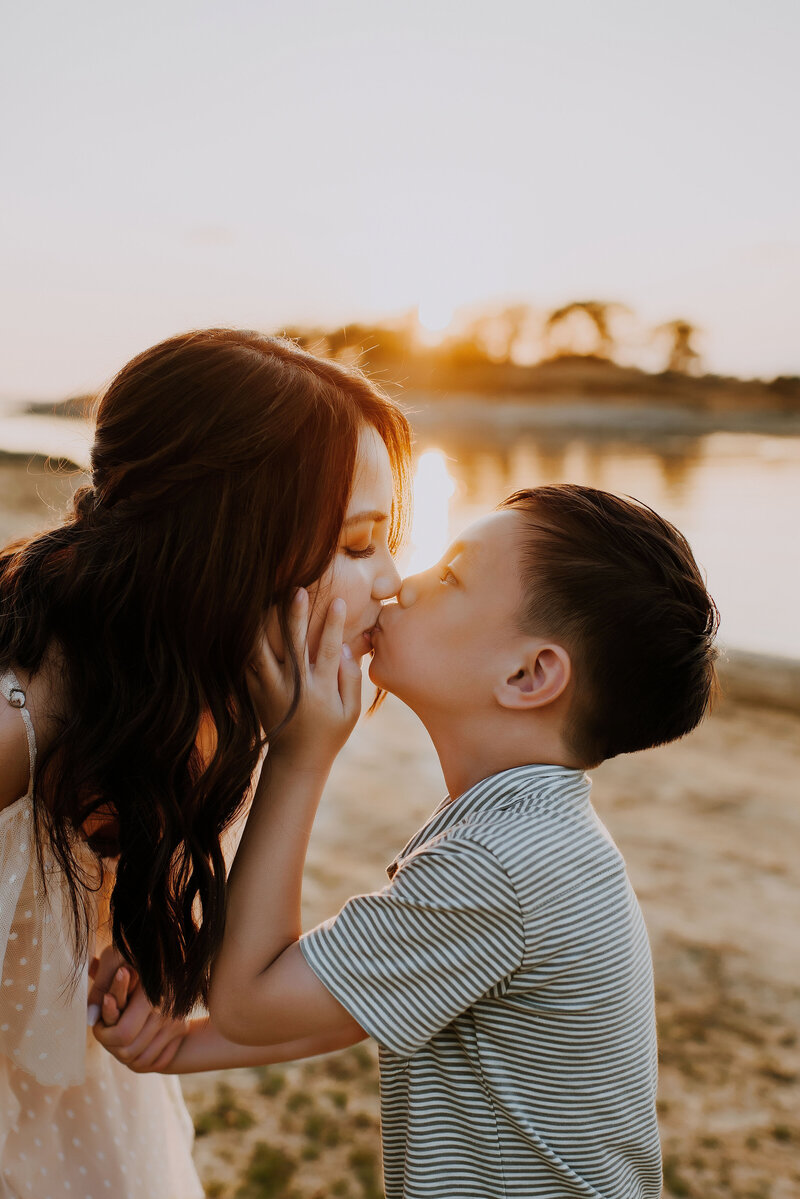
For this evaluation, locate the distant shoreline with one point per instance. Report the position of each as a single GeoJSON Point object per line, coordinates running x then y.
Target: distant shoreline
{"type": "Point", "coordinates": [58, 463]}
{"type": "Point", "coordinates": [569, 412]}
{"type": "Point", "coordinates": [579, 415]}
{"type": "Point", "coordinates": [763, 680]}
{"type": "Point", "coordinates": [573, 379]}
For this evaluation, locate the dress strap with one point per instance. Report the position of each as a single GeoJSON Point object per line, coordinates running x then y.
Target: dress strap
{"type": "Point", "coordinates": [11, 689]}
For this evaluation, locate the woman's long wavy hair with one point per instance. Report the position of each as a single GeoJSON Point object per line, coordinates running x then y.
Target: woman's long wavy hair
{"type": "Point", "coordinates": [222, 468]}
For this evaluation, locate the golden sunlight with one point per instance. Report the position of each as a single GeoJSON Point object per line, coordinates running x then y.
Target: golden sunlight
{"type": "Point", "coordinates": [434, 315]}
{"type": "Point", "coordinates": [434, 487]}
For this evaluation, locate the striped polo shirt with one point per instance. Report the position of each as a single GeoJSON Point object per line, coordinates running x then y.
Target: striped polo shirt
{"type": "Point", "coordinates": [505, 973]}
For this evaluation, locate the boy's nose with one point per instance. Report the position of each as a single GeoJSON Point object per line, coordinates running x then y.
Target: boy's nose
{"type": "Point", "coordinates": [409, 591]}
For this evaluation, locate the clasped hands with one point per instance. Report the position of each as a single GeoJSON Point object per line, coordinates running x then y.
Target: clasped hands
{"type": "Point", "coordinates": [124, 1021]}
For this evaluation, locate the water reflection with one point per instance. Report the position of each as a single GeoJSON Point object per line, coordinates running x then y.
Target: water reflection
{"type": "Point", "coordinates": [430, 532]}
{"type": "Point", "coordinates": [735, 496]}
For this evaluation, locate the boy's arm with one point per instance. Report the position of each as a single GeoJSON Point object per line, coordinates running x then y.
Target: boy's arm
{"type": "Point", "coordinates": [145, 1041]}
{"type": "Point", "coordinates": [204, 1048]}
{"type": "Point", "coordinates": [262, 991]}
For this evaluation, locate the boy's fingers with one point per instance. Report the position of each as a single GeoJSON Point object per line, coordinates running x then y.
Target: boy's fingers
{"type": "Point", "coordinates": [107, 965]}
{"type": "Point", "coordinates": [298, 623]}
{"type": "Point", "coordinates": [150, 1031]}
{"type": "Point", "coordinates": [271, 630]}
{"type": "Point", "coordinates": [266, 663]}
{"type": "Point", "coordinates": [130, 1023]}
{"type": "Point", "coordinates": [329, 653]}
{"type": "Point", "coordinates": [119, 987]}
{"type": "Point", "coordinates": [116, 1041]}
{"type": "Point", "coordinates": [149, 1046]}
{"type": "Point", "coordinates": [350, 683]}
{"type": "Point", "coordinates": [109, 1011]}
{"type": "Point", "coordinates": [168, 1054]}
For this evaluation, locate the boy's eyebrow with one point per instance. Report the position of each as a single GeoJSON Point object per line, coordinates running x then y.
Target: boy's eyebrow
{"type": "Point", "coordinates": [463, 549]}
{"type": "Point", "coordinates": [361, 518]}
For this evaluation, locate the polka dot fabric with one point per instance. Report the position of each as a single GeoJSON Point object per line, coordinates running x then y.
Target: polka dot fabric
{"type": "Point", "coordinates": [74, 1122]}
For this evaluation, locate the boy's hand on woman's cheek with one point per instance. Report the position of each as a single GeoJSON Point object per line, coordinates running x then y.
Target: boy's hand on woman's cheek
{"type": "Point", "coordinates": [330, 688]}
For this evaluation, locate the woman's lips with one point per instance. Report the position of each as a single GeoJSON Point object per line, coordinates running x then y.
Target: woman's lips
{"type": "Point", "coordinates": [368, 635]}
{"type": "Point", "coordinates": [364, 639]}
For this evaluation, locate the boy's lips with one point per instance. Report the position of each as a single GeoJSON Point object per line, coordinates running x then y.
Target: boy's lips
{"type": "Point", "coordinates": [368, 633]}
{"type": "Point", "coordinates": [377, 627]}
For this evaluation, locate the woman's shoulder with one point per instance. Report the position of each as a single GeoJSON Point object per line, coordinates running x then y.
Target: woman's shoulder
{"type": "Point", "coordinates": [44, 699]}
{"type": "Point", "coordinates": [14, 761]}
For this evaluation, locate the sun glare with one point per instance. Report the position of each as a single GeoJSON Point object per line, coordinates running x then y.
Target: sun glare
{"type": "Point", "coordinates": [434, 316]}
{"type": "Point", "coordinates": [430, 533]}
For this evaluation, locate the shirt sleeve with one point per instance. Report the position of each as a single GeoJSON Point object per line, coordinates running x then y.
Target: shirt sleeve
{"type": "Point", "coordinates": [405, 961]}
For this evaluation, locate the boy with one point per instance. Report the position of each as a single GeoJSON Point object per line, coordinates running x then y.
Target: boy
{"type": "Point", "coordinates": [504, 970]}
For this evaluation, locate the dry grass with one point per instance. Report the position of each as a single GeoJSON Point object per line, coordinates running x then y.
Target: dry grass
{"type": "Point", "coordinates": [312, 1129]}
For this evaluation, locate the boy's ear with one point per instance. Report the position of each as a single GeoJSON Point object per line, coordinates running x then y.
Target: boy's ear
{"type": "Point", "coordinates": [543, 675]}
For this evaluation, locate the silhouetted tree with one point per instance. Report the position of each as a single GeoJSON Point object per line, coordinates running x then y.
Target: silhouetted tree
{"type": "Point", "coordinates": [493, 335]}
{"type": "Point", "coordinates": [683, 356]}
{"type": "Point", "coordinates": [599, 313]}
{"type": "Point", "coordinates": [515, 320]}
{"type": "Point", "coordinates": [363, 344]}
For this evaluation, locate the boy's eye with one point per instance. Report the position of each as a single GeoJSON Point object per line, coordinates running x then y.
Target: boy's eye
{"type": "Point", "coordinates": [367, 552]}
{"type": "Point", "coordinates": [448, 577]}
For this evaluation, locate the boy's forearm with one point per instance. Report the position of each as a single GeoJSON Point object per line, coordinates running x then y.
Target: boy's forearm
{"type": "Point", "coordinates": [204, 1048]}
{"type": "Point", "coordinates": [269, 864]}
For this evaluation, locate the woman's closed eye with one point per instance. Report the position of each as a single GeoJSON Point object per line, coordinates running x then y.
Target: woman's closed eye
{"type": "Point", "coordinates": [353, 552]}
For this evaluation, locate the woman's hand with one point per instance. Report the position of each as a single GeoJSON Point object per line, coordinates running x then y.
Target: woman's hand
{"type": "Point", "coordinates": [132, 1030]}
{"type": "Point", "coordinates": [106, 973]}
{"type": "Point", "coordinates": [330, 699]}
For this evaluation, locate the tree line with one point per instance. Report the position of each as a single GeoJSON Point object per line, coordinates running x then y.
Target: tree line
{"type": "Point", "coordinates": [515, 333]}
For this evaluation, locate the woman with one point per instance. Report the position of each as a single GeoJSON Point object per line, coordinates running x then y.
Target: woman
{"type": "Point", "coordinates": [225, 466]}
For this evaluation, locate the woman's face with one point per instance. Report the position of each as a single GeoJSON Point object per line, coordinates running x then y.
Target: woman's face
{"type": "Point", "coordinates": [363, 572]}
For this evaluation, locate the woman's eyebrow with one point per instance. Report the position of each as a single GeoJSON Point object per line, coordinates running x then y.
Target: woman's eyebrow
{"type": "Point", "coordinates": [361, 518]}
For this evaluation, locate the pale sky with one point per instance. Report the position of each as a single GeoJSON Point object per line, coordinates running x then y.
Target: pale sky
{"type": "Point", "coordinates": [173, 164]}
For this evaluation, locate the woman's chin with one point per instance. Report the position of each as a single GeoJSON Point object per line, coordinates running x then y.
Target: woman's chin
{"type": "Point", "coordinates": [360, 645]}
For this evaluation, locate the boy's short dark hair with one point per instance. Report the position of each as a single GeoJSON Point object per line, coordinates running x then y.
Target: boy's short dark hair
{"type": "Point", "coordinates": [618, 587]}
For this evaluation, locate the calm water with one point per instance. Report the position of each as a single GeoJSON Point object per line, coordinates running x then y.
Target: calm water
{"type": "Point", "coordinates": [735, 496]}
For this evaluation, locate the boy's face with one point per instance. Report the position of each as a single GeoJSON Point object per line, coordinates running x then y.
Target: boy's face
{"type": "Point", "coordinates": [453, 634]}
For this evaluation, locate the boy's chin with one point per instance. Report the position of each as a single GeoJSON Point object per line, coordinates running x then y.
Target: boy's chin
{"type": "Point", "coordinates": [379, 675]}
{"type": "Point", "coordinates": [375, 674]}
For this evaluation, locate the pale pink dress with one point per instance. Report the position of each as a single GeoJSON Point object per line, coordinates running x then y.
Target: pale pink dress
{"type": "Point", "coordinates": [74, 1122]}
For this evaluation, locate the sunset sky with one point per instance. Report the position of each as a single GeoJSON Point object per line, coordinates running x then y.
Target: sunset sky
{"type": "Point", "coordinates": [172, 164]}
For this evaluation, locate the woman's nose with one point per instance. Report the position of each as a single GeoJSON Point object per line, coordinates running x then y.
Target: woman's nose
{"type": "Point", "coordinates": [387, 582]}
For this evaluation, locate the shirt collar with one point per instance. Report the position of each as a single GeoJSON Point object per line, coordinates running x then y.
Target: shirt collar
{"type": "Point", "coordinates": [534, 783]}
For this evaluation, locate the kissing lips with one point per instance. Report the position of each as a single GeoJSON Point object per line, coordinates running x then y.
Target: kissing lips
{"type": "Point", "coordinates": [369, 634]}
{"type": "Point", "coordinates": [365, 639]}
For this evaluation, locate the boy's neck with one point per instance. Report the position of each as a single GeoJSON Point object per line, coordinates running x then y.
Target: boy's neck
{"type": "Point", "coordinates": [470, 749]}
